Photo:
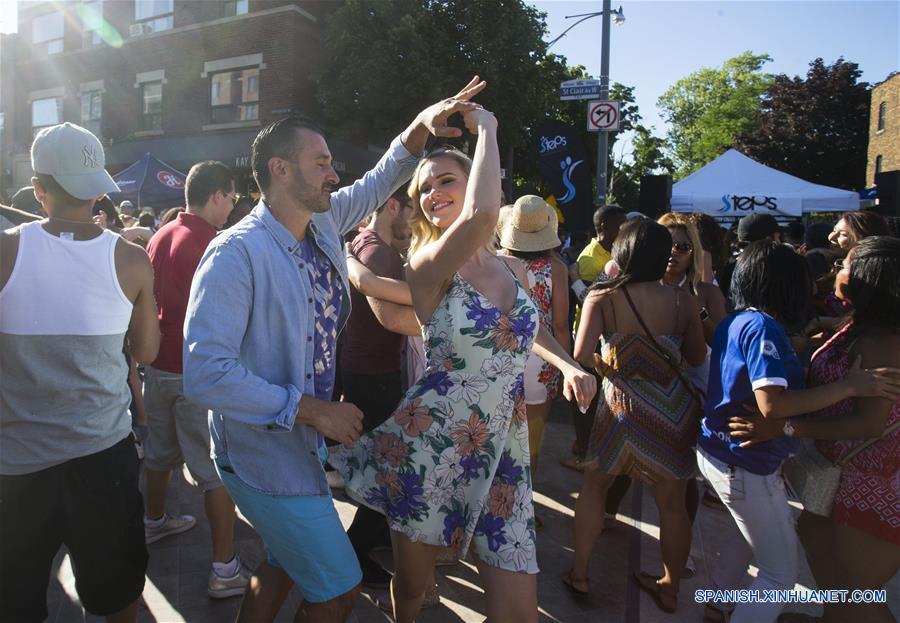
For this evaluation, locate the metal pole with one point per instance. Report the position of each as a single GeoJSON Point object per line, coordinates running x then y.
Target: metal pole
{"type": "Point", "coordinates": [603, 136]}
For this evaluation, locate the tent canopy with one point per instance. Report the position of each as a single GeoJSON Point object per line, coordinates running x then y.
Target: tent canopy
{"type": "Point", "coordinates": [733, 185]}
{"type": "Point", "coordinates": [150, 182]}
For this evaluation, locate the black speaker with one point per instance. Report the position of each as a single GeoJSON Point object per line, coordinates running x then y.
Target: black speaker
{"type": "Point", "coordinates": [656, 194]}
{"type": "Point", "coordinates": [888, 183]}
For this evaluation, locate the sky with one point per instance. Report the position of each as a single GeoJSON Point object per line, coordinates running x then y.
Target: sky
{"type": "Point", "coordinates": [662, 41]}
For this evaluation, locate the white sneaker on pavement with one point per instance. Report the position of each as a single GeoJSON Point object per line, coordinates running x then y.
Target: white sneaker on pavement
{"type": "Point", "coordinates": [173, 524]}
{"type": "Point", "coordinates": [220, 588]}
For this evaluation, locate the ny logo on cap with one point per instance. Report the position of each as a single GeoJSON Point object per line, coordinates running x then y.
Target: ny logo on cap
{"type": "Point", "coordinates": [90, 156]}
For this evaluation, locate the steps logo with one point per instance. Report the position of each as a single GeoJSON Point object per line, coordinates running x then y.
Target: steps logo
{"type": "Point", "coordinates": [741, 203]}
{"type": "Point", "coordinates": [552, 144]}
{"type": "Point", "coordinates": [568, 167]}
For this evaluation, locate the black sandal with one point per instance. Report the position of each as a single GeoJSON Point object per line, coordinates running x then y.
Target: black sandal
{"type": "Point", "coordinates": [650, 584]}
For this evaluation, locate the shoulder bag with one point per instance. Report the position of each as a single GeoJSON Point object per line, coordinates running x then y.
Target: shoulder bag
{"type": "Point", "coordinates": [814, 480]}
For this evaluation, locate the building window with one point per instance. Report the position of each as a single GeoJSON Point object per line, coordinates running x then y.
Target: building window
{"type": "Point", "coordinates": [151, 96]}
{"type": "Point", "coordinates": [92, 111]}
{"type": "Point", "coordinates": [155, 15]}
{"type": "Point", "coordinates": [879, 161]}
{"type": "Point", "coordinates": [235, 95]}
{"type": "Point", "coordinates": [91, 22]}
{"type": "Point", "coordinates": [882, 113]}
{"type": "Point", "coordinates": [46, 112]}
{"type": "Point", "coordinates": [48, 32]}
{"type": "Point", "coordinates": [236, 7]}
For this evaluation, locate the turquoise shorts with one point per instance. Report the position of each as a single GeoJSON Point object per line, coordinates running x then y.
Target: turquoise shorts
{"type": "Point", "coordinates": [303, 536]}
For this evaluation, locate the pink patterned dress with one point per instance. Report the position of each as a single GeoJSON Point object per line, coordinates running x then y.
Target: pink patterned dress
{"type": "Point", "coordinates": [868, 497]}
{"type": "Point", "coordinates": [540, 288]}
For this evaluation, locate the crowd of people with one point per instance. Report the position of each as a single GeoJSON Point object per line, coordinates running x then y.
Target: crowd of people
{"type": "Point", "coordinates": [404, 338]}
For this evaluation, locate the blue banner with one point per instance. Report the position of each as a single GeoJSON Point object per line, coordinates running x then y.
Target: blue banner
{"type": "Point", "coordinates": [564, 165]}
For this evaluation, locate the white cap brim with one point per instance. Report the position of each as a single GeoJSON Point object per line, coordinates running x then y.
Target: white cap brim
{"type": "Point", "coordinates": [88, 186]}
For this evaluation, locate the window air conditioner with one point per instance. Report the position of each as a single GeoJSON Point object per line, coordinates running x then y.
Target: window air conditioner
{"type": "Point", "coordinates": [140, 29]}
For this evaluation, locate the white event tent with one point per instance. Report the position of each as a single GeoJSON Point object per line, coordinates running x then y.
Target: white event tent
{"type": "Point", "coordinates": [733, 185]}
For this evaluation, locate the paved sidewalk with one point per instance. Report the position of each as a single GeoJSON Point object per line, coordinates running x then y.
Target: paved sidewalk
{"type": "Point", "coordinates": [179, 565]}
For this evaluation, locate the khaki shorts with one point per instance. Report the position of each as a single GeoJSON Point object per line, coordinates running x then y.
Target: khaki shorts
{"type": "Point", "coordinates": [178, 430]}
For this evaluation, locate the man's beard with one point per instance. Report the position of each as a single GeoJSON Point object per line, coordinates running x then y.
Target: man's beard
{"type": "Point", "coordinates": [316, 200]}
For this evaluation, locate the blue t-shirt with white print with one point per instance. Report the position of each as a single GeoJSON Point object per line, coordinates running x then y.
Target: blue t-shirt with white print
{"type": "Point", "coordinates": [750, 351]}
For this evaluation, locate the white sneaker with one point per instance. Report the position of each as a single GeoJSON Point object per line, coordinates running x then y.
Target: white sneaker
{"type": "Point", "coordinates": [335, 480]}
{"type": "Point", "coordinates": [174, 524]}
{"type": "Point", "coordinates": [220, 588]}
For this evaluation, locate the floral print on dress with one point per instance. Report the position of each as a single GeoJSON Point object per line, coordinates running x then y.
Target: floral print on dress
{"type": "Point", "coordinates": [451, 466]}
{"type": "Point", "coordinates": [540, 281]}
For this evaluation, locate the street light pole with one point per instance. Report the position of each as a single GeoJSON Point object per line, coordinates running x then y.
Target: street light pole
{"type": "Point", "coordinates": [603, 137]}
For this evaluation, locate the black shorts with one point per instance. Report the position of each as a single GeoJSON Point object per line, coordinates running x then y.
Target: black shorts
{"type": "Point", "coordinates": [91, 505]}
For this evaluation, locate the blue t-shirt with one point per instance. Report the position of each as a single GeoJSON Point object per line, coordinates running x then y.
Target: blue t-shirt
{"type": "Point", "coordinates": [750, 351]}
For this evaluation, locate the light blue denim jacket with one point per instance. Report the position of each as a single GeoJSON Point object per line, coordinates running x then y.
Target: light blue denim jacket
{"type": "Point", "coordinates": [249, 329]}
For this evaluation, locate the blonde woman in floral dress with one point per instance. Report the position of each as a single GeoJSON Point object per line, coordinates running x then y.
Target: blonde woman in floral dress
{"type": "Point", "coordinates": [450, 468]}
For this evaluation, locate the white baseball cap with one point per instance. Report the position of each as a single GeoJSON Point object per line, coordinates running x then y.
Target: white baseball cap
{"type": "Point", "coordinates": [74, 158]}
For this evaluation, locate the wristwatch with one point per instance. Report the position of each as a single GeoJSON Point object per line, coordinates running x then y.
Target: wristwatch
{"type": "Point", "coordinates": [704, 314]}
{"type": "Point", "coordinates": [788, 429]}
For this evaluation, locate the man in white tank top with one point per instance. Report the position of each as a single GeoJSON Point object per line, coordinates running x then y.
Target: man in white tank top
{"type": "Point", "coordinates": [71, 297]}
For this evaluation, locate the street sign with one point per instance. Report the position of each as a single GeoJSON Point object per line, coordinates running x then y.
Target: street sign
{"type": "Point", "coordinates": [603, 116]}
{"type": "Point", "coordinates": [579, 89]}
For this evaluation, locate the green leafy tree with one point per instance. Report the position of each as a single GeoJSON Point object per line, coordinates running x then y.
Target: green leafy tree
{"type": "Point", "coordinates": [815, 128]}
{"type": "Point", "coordinates": [648, 157]}
{"type": "Point", "coordinates": [387, 59]}
{"type": "Point", "coordinates": [707, 109]}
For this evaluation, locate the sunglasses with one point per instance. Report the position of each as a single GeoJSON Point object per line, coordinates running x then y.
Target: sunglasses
{"type": "Point", "coordinates": [682, 247]}
{"type": "Point", "coordinates": [234, 197]}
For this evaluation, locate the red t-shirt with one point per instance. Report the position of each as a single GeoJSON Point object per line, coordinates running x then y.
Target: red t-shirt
{"type": "Point", "coordinates": [369, 348]}
{"type": "Point", "coordinates": [175, 251]}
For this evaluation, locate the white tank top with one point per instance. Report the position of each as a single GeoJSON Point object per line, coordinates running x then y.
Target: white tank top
{"type": "Point", "coordinates": [64, 287]}
{"type": "Point", "coordinates": [63, 376]}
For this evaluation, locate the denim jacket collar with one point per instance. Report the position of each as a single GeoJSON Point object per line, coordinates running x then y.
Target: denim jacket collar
{"type": "Point", "coordinates": [283, 237]}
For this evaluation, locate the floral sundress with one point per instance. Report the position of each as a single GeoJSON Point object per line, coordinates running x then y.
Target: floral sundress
{"type": "Point", "coordinates": [540, 288]}
{"type": "Point", "coordinates": [451, 466]}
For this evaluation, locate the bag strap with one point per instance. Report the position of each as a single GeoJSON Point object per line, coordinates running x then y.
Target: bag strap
{"type": "Point", "coordinates": [665, 354]}
{"type": "Point", "coordinates": [887, 431]}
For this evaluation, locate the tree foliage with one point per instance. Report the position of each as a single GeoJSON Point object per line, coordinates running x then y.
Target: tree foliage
{"type": "Point", "coordinates": [388, 59]}
{"type": "Point", "coordinates": [815, 128]}
{"type": "Point", "coordinates": [707, 109]}
{"type": "Point", "coordinates": [384, 60]}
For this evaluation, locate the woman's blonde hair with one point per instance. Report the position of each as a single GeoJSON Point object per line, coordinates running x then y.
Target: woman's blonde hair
{"type": "Point", "coordinates": [423, 231]}
{"type": "Point", "coordinates": [671, 220]}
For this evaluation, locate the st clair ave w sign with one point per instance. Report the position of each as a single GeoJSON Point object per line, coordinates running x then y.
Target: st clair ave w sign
{"type": "Point", "coordinates": [579, 90]}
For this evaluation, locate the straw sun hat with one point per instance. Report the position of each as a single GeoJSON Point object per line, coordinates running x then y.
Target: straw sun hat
{"type": "Point", "coordinates": [528, 225]}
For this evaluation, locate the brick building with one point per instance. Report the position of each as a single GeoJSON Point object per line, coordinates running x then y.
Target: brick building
{"type": "Point", "coordinates": [184, 80]}
{"type": "Point", "coordinates": [884, 128]}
